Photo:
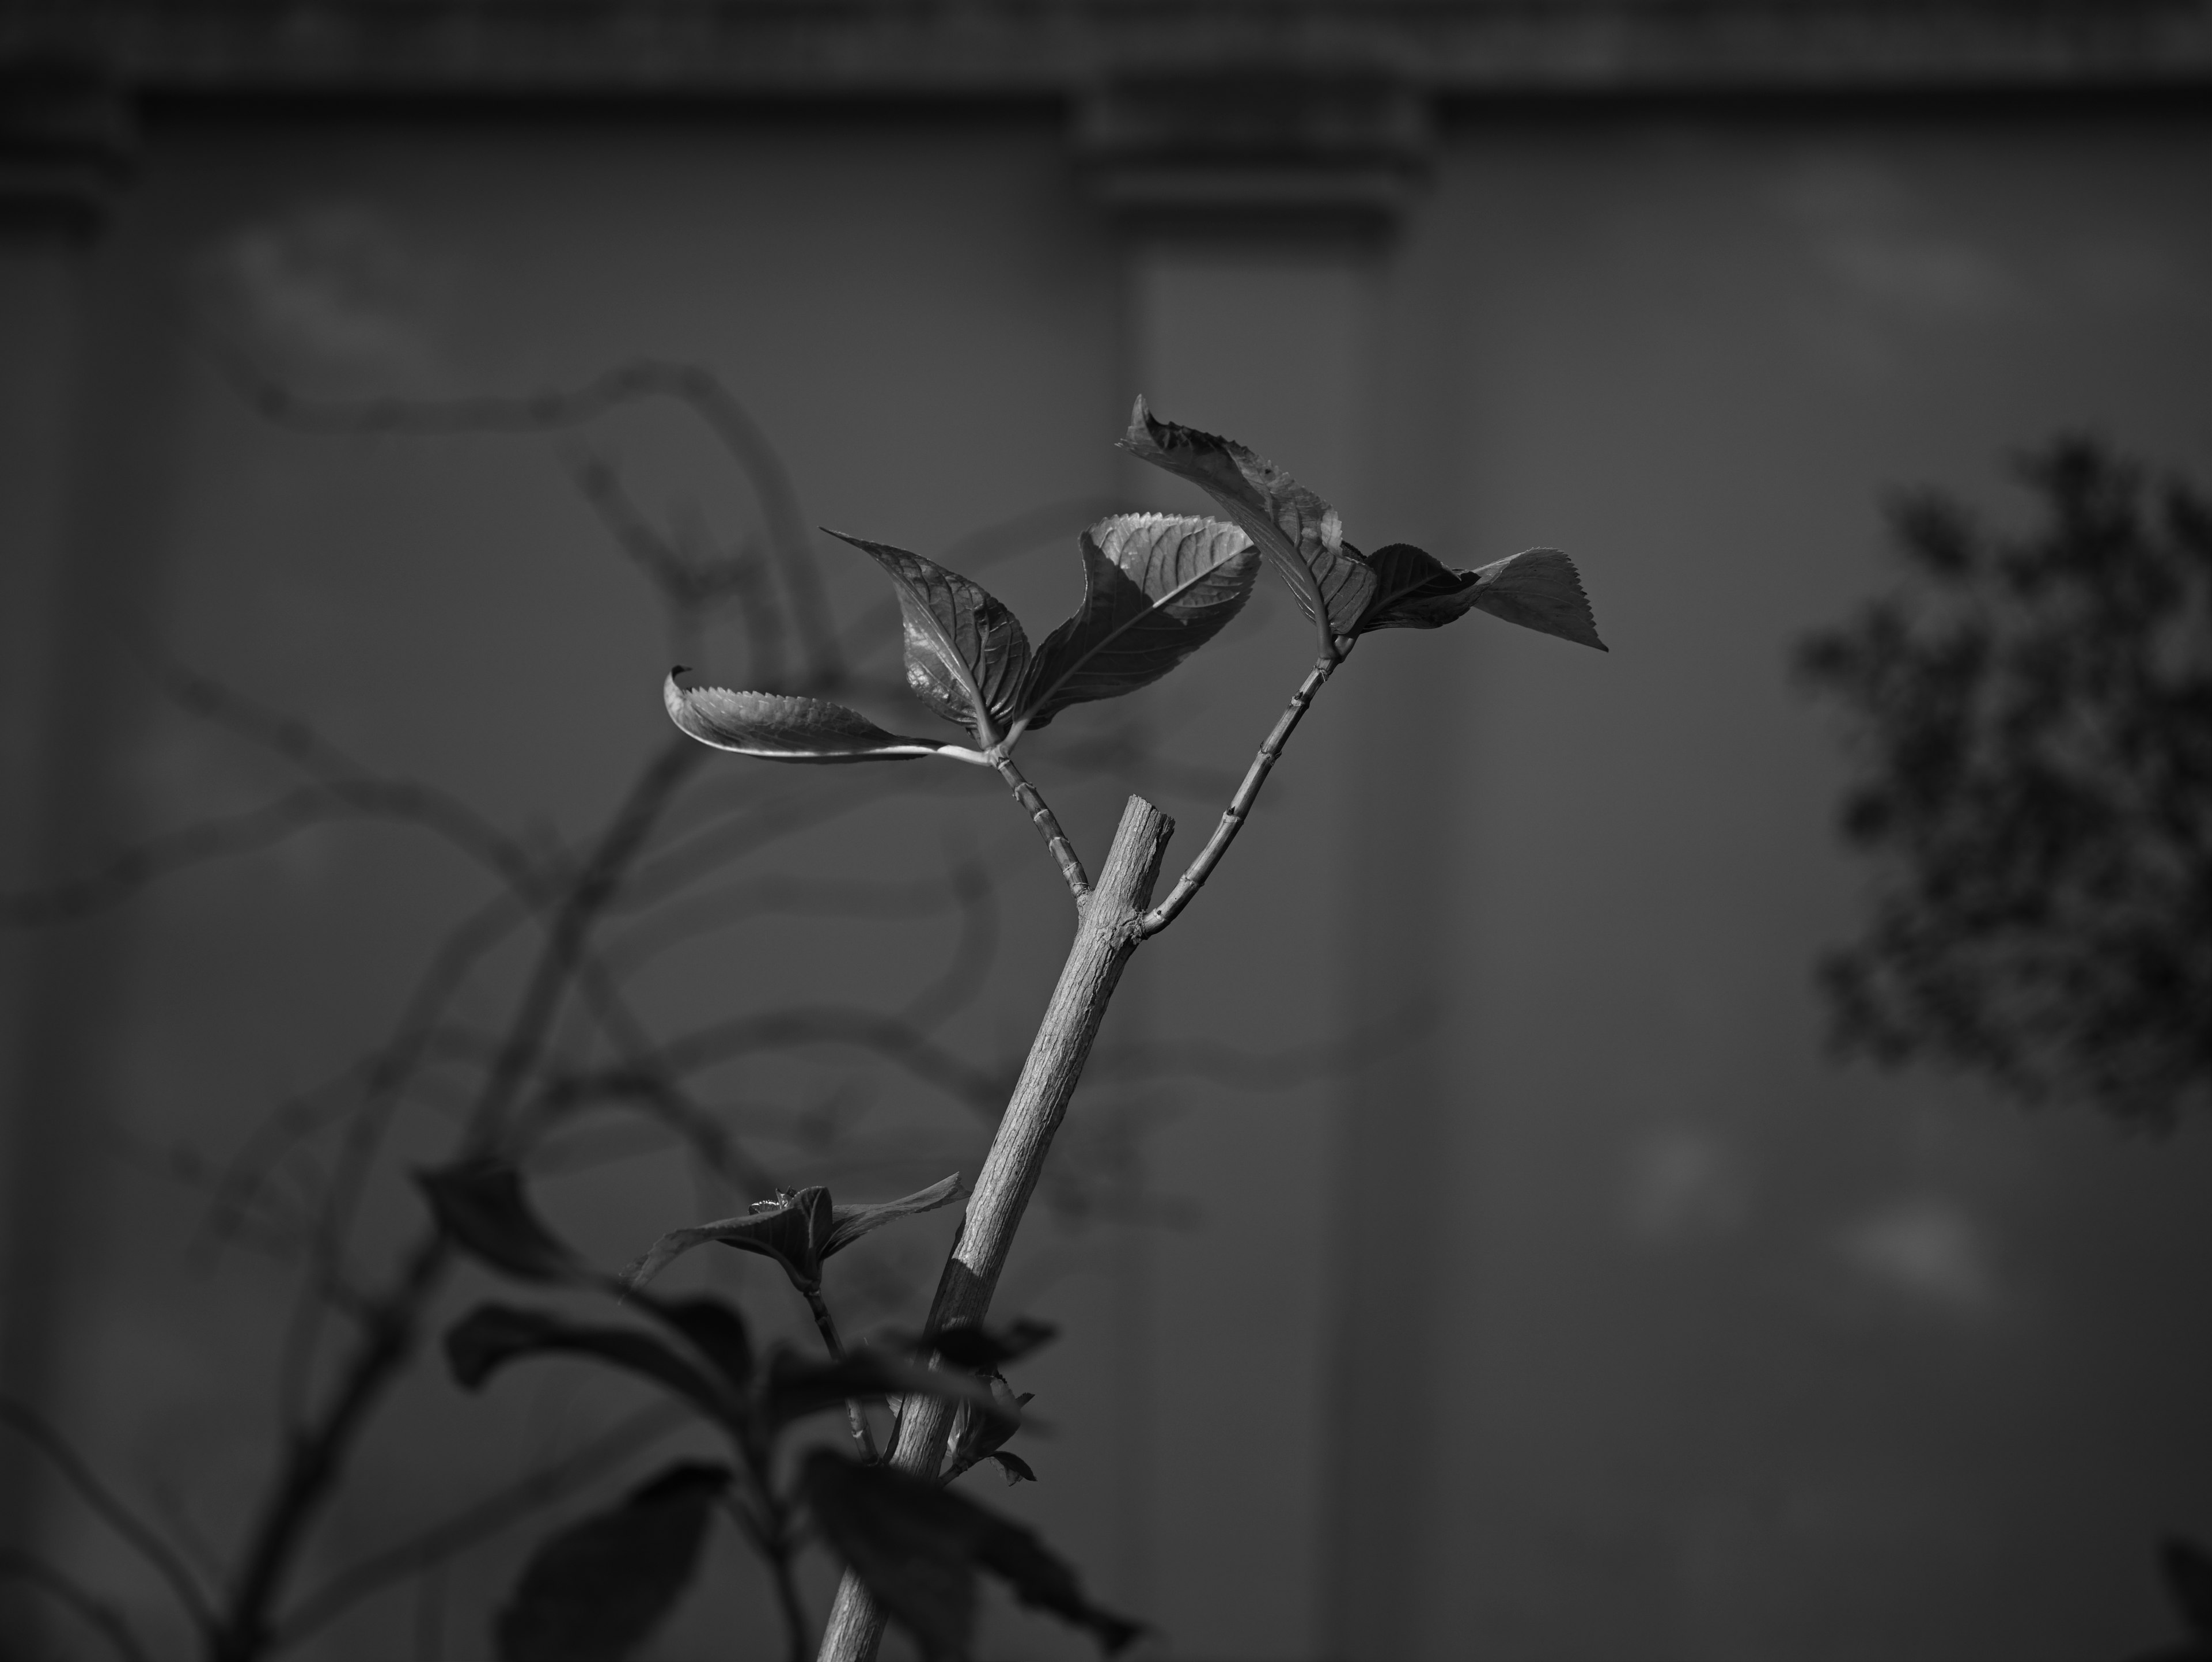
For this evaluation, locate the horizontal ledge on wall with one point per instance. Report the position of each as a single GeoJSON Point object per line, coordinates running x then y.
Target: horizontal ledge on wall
{"type": "Point", "coordinates": [67, 140]}
{"type": "Point", "coordinates": [981, 48]}
{"type": "Point", "coordinates": [1252, 148]}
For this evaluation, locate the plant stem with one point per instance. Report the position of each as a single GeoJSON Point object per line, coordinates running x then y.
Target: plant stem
{"type": "Point", "coordinates": [1048, 824]}
{"type": "Point", "coordinates": [827, 1325]}
{"type": "Point", "coordinates": [1240, 805]}
{"type": "Point", "coordinates": [1109, 932]}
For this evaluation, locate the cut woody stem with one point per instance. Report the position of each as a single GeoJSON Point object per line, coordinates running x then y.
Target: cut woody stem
{"type": "Point", "coordinates": [1114, 922]}
{"type": "Point", "coordinates": [1104, 938]}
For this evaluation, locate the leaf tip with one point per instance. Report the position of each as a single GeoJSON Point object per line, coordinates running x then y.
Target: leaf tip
{"type": "Point", "coordinates": [1539, 588]}
{"type": "Point", "coordinates": [1143, 438]}
{"type": "Point", "coordinates": [676, 700]}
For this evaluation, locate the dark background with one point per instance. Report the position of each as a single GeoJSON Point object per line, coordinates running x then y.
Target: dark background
{"type": "Point", "coordinates": [1528, 1283]}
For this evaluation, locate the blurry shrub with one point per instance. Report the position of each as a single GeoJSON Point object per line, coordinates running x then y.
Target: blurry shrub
{"type": "Point", "coordinates": [2030, 717]}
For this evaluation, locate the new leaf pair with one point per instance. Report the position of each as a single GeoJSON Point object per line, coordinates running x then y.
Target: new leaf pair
{"type": "Point", "coordinates": [1156, 587]}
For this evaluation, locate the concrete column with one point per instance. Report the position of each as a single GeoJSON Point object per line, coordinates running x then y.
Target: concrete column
{"type": "Point", "coordinates": [1258, 211]}
{"type": "Point", "coordinates": [64, 140]}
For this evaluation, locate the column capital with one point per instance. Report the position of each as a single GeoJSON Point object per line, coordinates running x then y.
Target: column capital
{"type": "Point", "coordinates": [1245, 148]}
{"type": "Point", "coordinates": [67, 137]}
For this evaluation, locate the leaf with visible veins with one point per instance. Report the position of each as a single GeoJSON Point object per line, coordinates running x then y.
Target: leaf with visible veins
{"type": "Point", "coordinates": [1156, 587]}
{"type": "Point", "coordinates": [1538, 588]}
{"type": "Point", "coordinates": [1298, 532]}
{"type": "Point", "coordinates": [966, 656]}
{"type": "Point", "coordinates": [780, 728]}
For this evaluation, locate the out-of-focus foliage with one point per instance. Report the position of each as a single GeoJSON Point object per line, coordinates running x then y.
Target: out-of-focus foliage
{"type": "Point", "coordinates": [2187, 1570]}
{"type": "Point", "coordinates": [2031, 714]}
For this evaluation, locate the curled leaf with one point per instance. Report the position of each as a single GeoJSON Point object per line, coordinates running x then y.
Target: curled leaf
{"type": "Point", "coordinates": [976, 1436]}
{"type": "Point", "coordinates": [798, 1229]}
{"type": "Point", "coordinates": [1156, 587]}
{"type": "Point", "coordinates": [966, 656]}
{"type": "Point", "coordinates": [481, 1206]}
{"type": "Point", "coordinates": [596, 1591]}
{"type": "Point", "coordinates": [779, 728]}
{"type": "Point", "coordinates": [1414, 589]}
{"type": "Point", "coordinates": [1298, 532]}
{"type": "Point", "coordinates": [1538, 588]}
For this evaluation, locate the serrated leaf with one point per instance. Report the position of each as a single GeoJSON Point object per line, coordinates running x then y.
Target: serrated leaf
{"type": "Point", "coordinates": [1298, 532]}
{"type": "Point", "coordinates": [966, 656]}
{"type": "Point", "coordinates": [596, 1591]}
{"type": "Point", "coordinates": [798, 1229]}
{"type": "Point", "coordinates": [481, 1206]}
{"type": "Point", "coordinates": [1538, 588]}
{"type": "Point", "coordinates": [918, 1547]}
{"type": "Point", "coordinates": [493, 1335]}
{"type": "Point", "coordinates": [1156, 587]}
{"type": "Point", "coordinates": [780, 728]}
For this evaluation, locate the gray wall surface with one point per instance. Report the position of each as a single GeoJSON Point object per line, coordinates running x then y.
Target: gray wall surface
{"type": "Point", "coordinates": [1534, 1286]}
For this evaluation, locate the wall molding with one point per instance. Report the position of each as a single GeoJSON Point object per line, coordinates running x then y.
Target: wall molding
{"type": "Point", "coordinates": [967, 49]}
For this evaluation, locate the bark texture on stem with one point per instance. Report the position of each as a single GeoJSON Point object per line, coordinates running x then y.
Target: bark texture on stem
{"type": "Point", "coordinates": [1104, 938]}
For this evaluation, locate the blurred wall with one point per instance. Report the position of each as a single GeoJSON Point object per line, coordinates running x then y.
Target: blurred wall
{"type": "Point", "coordinates": [1513, 1275]}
